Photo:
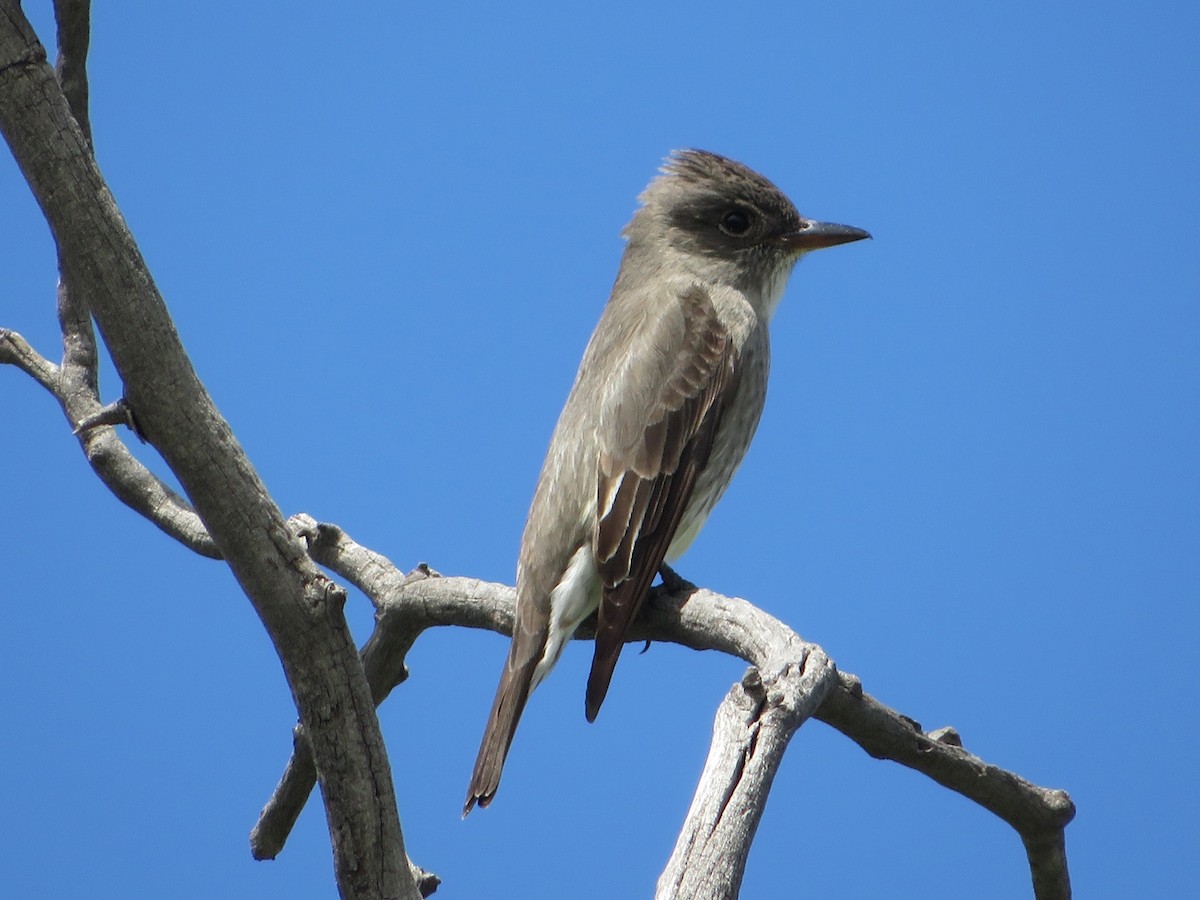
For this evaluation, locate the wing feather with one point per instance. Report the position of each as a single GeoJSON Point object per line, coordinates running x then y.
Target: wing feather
{"type": "Point", "coordinates": [650, 457]}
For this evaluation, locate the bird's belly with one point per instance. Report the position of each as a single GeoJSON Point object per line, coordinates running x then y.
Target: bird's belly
{"type": "Point", "coordinates": [573, 599]}
{"type": "Point", "coordinates": [729, 449]}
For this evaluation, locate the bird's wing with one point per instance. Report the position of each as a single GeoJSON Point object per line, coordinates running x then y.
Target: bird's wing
{"type": "Point", "coordinates": [656, 431]}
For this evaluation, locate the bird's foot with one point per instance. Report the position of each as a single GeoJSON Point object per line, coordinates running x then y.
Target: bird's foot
{"type": "Point", "coordinates": [673, 582]}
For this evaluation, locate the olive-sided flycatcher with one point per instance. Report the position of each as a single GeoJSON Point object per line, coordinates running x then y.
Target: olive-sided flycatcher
{"type": "Point", "coordinates": [667, 398]}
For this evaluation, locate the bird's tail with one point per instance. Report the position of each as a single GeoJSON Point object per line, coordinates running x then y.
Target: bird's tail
{"type": "Point", "coordinates": [506, 711]}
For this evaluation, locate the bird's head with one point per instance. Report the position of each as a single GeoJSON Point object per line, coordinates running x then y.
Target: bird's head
{"type": "Point", "coordinates": [732, 223]}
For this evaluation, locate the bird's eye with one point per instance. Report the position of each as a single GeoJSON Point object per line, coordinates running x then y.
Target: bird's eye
{"type": "Point", "coordinates": [736, 222]}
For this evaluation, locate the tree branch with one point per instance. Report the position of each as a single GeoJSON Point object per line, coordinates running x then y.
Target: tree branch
{"type": "Point", "coordinates": [792, 680]}
{"type": "Point", "coordinates": [15, 351]}
{"type": "Point", "coordinates": [300, 608]}
{"type": "Point", "coordinates": [753, 726]}
{"type": "Point", "coordinates": [1039, 815]}
{"type": "Point", "coordinates": [75, 384]}
{"type": "Point", "coordinates": [74, 21]}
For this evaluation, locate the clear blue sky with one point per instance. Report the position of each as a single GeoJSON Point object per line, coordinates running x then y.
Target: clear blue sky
{"type": "Point", "coordinates": [385, 232]}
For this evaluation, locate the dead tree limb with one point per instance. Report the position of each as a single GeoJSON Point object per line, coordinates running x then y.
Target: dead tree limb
{"type": "Point", "coordinates": [300, 608]}
{"type": "Point", "coordinates": [792, 680]}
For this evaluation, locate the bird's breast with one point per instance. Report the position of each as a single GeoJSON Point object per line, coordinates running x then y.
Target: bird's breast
{"type": "Point", "coordinates": [739, 421]}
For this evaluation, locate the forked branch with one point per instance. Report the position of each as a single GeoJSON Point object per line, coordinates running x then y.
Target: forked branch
{"type": "Point", "coordinates": [791, 681]}
{"type": "Point", "coordinates": [104, 275]}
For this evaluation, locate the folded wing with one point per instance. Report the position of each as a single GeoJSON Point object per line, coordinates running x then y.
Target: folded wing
{"type": "Point", "coordinates": [656, 432]}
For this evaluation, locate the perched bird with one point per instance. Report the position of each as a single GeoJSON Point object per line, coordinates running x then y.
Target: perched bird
{"type": "Point", "coordinates": [663, 408]}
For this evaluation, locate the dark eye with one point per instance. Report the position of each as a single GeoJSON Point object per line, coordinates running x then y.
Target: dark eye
{"type": "Point", "coordinates": [736, 222]}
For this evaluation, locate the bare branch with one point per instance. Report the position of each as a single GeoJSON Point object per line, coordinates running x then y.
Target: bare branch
{"type": "Point", "coordinates": [382, 658]}
{"type": "Point", "coordinates": [427, 882]}
{"type": "Point", "coordinates": [279, 816]}
{"type": "Point", "coordinates": [300, 608]}
{"type": "Point", "coordinates": [73, 386]}
{"type": "Point", "coordinates": [15, 350]}
{"type": "Point", "coordinates": [74, 21]}
{"type": "Point", "coordinates": [753, 727]}
{"type": "Point", "coordinates": [795, 677]}
{"type": "Point", "coordinates": [116, 413]}
{"type": "Point", "coordinates": [1038, 814]}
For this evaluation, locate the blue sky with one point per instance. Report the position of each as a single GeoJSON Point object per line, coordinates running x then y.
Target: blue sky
{"type": "Point", "coordinates": [385, 234]}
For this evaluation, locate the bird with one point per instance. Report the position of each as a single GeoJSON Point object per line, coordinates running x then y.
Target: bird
{"type": "Point", "coordinates": [663, 408]}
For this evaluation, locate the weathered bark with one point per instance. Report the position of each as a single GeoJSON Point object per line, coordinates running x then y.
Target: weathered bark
{"type": "Point", "coordinates": [300, 608]}
{"type": "Point", "coordinates": [792, 680]}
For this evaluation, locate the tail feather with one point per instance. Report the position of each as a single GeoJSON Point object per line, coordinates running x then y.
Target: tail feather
{"type": "Point", "coordinates": [618, 608]}
{"type": "Point", "coordinates": [510, 700]}
{"type": "Point", "coordinates": [604, 663]}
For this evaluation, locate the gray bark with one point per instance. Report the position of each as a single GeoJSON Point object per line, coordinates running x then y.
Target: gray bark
{"type": "Point", "coordinates": [791, 681]}
{"type": "Point", "coordinates": [299, 606]}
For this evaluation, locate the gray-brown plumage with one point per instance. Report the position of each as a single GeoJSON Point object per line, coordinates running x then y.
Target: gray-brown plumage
{"type": "Point", "coordinates": [663, 408]}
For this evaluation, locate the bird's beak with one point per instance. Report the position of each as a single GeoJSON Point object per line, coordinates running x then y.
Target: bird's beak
{"type": "Point", "coordinates": [816, 235]}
